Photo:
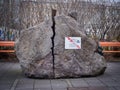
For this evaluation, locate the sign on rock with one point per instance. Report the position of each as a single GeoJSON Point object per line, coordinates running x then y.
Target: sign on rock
{"type": "Point", "coordinates": [72, 42]}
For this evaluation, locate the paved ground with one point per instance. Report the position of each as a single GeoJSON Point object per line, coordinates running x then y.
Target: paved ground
{"type": "Point", "coordinates": [11, 78]}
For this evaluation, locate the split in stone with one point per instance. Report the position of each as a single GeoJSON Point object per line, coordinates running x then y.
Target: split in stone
{"type": "Point", "coordinates": [41, 57]}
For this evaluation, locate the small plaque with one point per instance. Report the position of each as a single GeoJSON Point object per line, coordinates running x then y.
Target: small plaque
{"type": "Point", "coordinates": [72, 42]}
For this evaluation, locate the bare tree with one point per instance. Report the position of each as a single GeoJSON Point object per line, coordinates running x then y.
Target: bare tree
{"type": "Point", "coordinates": [99, 20]}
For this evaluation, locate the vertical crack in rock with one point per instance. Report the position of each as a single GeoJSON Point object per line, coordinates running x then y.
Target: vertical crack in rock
{"type": "Point", "coordinates": [53, 28]}
{"type": "Point", "coordinates": [40, 54]}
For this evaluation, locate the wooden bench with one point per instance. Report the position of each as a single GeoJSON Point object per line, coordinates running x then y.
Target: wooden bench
{"type": "Point", "coordinates": [7, 44]}
{"type": "Point", "coordinates": [103, 44]}
{"type": "Point", "coordinates": [110, 44]}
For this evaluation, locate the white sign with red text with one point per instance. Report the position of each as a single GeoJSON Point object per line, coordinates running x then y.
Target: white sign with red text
{"type": "Point", "coordinates": [72, 42]}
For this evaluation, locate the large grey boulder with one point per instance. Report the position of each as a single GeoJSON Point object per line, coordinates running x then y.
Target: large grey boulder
{"type": "Point", "coordinates": [33, 49]}
{"type": "Point", "coordinates": [41, 57]}
{"type": "Point", "coordinates": [75, 62]}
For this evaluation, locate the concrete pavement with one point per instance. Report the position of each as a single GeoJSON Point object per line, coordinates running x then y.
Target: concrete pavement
{"type": "Point", "coordinates": [11, 78]}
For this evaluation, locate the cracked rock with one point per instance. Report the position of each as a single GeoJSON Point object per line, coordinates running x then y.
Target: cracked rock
{"type": "Point", "coordinates": [39, 58]}
{"type": "Point", "coordinates": [33, 49]}
{"type": "Point", "coordinates": [75, 62]}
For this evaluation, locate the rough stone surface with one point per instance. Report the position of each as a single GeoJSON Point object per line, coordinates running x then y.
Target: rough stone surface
{"type": "Point", "coordinates": [73, 14]}
{"type": "Point", "coordinates": [34, 52]}
{"type": "Point", "coordinates": [75, 62]}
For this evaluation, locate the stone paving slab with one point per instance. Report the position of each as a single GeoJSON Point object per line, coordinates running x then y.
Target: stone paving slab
{"type": "Point", "coordinates": [25, 83]}
{"type": "Point", "coordinates": [5, 86]}
{"type": "Point", "coordinates": [6, 81]}
{"type": "Point", "coordinates": [44, 89]}
{"type": "Point", "coordinates": [94, 82]}
{"type": "Point", "coordinates": [26, 80]}
{"type": "Point", "coordinates": [59, 84]}
{"type": "Point", "coordinates": [59, 89]}
{"type": "Point", "coordinates": [79, 83]}
{"type": "Point", "coordinates": [112, 84]}
{"type": "Point", "coordinates": [43, 84]}
{"type": "Point", "coordinates": [24, 89]}
{"type": "Point", "coordinates": [117, 88]}
{"type": "Point", "coordinates": [92, 88]}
